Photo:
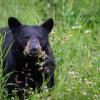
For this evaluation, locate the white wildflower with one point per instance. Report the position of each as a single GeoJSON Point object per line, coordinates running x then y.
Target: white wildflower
{"type": "Point", "coordinates": [84, 92]}
{"type": "Point", "coordinates": [96, 96]}
{"type": "Point", "coordinates": [89, 82]}
{"type": "Point", "coordinates": [48, 98]}
{"type": "Point", "coordinates": [68, 90]}
{"type": "Point", "coordinates": [46, 89]}
{"type": "Point", "coordinates": [77, 27]}
{"type": "Point", "coordinates": [80, 80]}
{"type": "Point", "coordinates": [48, 5]}
{"type": "Point", "coordinates": [38, 95]}
{"type": "Point", "coordinates": [88, 31]}
{"type": "Point", "coordinates": [68, 37]}
{"type": "Point", "coordinates": [71, 73]}
{"type": "Point", "coordinates": [12, 98]}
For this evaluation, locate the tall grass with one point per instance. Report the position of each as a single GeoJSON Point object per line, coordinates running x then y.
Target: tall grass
{"type": "Point", "coordinates": [75, 41]}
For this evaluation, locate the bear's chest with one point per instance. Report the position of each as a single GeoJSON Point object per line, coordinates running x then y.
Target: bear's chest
{"type": "Point", "coordinates": [28, 73]}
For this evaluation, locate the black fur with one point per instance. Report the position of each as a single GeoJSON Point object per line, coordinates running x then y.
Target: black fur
{"type": "Point", "coordinates": [24, 67]}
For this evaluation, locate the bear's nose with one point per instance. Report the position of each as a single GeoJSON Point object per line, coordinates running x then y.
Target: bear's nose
{"type": "Point", "coordinates": [34, 49]}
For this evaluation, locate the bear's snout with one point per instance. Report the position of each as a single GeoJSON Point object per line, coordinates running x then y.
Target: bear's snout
{"type": "Point", "coordinates": [32, 48]}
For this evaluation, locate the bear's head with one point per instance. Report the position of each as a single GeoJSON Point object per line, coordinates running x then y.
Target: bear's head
{"type": "Point", "coordinates": [30, 39]}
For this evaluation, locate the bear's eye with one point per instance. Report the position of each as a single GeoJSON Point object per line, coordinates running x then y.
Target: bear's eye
{"type": "Point", "coordinates": [40, 38]}
{"type": "Point", "coordinates": [26, 37]}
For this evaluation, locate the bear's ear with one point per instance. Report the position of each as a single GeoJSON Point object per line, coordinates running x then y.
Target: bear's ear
{"type": "Point", "coordinates": [13, 23]}
{"type": "Point", "coordinates": [48, 25]}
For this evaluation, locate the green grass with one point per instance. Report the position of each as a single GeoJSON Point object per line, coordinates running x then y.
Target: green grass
{"type": "Point", "coordinates": [75, 41]}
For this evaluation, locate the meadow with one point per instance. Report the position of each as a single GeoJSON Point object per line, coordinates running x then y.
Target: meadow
{"type": "Point", "coordinates": [75, 41]}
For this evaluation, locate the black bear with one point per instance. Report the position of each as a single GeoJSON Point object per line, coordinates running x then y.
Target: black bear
{"type": "Point", "coordinates": [25, 42]}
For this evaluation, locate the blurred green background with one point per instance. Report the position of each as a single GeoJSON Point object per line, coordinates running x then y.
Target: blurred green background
{"type": "Point", "coordinates": [75, 41]}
